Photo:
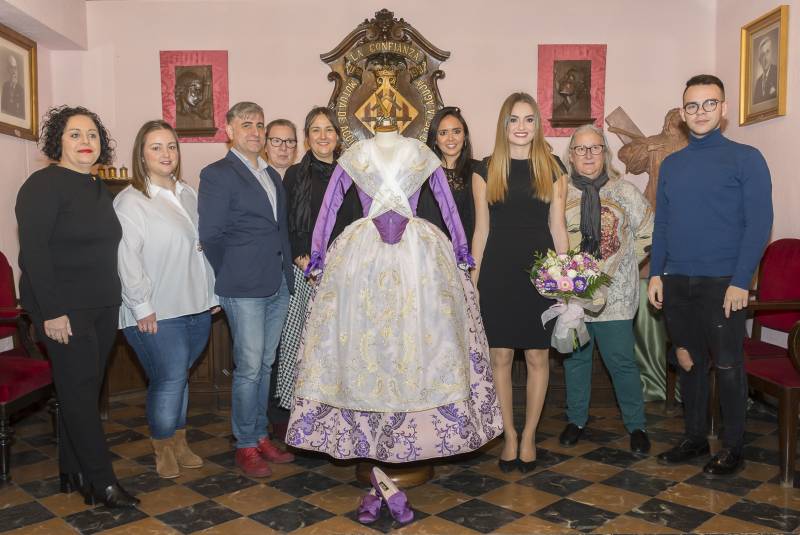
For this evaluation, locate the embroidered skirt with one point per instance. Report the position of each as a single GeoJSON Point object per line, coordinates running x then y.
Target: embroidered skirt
{"type": "Point", "coordinates": [394, 363]}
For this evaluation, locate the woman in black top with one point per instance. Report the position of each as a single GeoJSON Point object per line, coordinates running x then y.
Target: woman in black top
{"type": "Point", "coordinates": [68, 238]}
{"type": "Point", "coordinates": [519, 212]}
{"type": "Point", "coordinates": [305, 184]}
{"type": "Point", "coordinates": [448, 137]}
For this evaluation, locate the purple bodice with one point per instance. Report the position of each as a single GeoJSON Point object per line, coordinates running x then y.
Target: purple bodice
{"type": "Point", "coordinates": [390, 225]}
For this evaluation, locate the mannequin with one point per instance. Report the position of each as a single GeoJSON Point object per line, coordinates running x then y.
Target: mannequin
{"type": "Point", "coordinates": [393, 365]}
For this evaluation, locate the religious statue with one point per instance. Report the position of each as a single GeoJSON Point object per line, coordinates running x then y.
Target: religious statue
{"type": "Point", "coordinates": [642, 154]}
{"type": "Point", "coordinates": [394, 362]}
{"type": "Point", "coordinates": [645, 154]}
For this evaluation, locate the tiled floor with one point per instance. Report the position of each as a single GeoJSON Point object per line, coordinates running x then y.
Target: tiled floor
{"type": "Point", "coordinates": [596, 487]}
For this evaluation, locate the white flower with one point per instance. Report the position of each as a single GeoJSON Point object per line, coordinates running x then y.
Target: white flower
{"type": "Point", "coordinates": [591, 273]}
{"type": "Point", "coordinates": [571, 273]}
{"type": "Point", "coordinates": [554, 271]}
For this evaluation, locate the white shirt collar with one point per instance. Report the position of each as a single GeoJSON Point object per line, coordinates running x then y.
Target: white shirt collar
{"type": "Point", "coordinates": [153, 190]}
{"type": "Point", "coordinates": [262, 164]}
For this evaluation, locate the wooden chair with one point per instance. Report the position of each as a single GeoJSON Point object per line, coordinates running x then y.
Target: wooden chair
{"type": "Point", "coordinates": [780, 377]}
{"type": "Point", "coordinates": [25, 376]}
{"type": "Point", "coordinates": [772, 369]}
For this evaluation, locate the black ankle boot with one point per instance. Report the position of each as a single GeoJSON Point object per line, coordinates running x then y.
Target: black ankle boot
{"type": "Point", "coordinates": [70, 482]}
{"type": "Point", "coordinates": [112, 496]}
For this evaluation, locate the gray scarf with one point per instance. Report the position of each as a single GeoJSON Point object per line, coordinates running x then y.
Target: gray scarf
{"type": "Point", "coordinates": [590, 211]}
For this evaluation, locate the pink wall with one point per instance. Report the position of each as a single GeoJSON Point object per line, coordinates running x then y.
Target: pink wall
{"type": "Point", "coordinates": [274, 52]}
{"type": "Point", "coordinates": [776, 138]}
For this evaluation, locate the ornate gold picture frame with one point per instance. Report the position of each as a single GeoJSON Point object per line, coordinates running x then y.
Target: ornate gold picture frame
{"type": "Point", "coordinates": [19, 113]}
{"type": "Point", "coordinates": [762, 71]}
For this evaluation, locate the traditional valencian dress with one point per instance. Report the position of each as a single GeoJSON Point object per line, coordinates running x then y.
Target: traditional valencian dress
{"type": "Point", "coordinates": [394, 363]}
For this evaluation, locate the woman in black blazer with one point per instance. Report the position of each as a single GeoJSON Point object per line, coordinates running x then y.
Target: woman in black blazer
{"type": "Point", "coordinates": [68, 239]}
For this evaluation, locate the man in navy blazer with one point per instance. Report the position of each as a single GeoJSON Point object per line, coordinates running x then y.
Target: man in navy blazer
{"type": "Point", "coordinates": [243, 232]}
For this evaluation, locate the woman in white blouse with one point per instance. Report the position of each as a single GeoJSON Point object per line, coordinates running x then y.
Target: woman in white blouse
{"type": "Point", "coordinates": [167, 288]}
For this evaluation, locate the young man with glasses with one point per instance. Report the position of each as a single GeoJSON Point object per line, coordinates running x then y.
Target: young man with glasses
{"type": "Point", "coordinates": [713, 219]}
{"type": "Point", "coordinates": [281, 147]}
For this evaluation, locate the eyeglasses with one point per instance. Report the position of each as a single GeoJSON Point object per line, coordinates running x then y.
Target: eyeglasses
{"type": "Point", "coordinates": [581, 150]}
{"type": "Point", "coordinates": [277, 142]}
{"type": "Point", "coordinates": [709, 104]}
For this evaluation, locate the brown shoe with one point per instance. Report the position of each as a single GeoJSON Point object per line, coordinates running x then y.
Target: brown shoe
{"type": "Point", "coordinates": [271, 453]}
{"type": "Point", "coordinates": [185, 456]}
{"type": "Point", "coordinates": [166, 464]}
{"type": "Point", "coordinates": [250, 462]}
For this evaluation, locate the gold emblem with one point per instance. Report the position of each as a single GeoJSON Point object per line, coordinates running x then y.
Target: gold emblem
{"type": "Point", "coordinates": [386, 100]}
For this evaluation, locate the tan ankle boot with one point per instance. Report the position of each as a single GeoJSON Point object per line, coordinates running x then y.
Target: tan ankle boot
{"type": "Point", "coordinates": [186, 457]}
{"type": "Point", "coordinates": [166, 464]}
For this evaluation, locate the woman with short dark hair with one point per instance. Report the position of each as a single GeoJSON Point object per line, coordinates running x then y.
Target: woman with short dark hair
{"type": "Point", "coordinates": [68, 238]}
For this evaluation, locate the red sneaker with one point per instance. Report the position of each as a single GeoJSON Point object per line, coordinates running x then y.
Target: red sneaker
{"type": "Point", "coordinates": [250, 462]}
{"type": "Point", "coordinates": [270, 452]}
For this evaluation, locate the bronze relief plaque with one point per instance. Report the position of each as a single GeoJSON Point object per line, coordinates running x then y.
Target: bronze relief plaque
{"type": "Point", "coordinates": [384, 61]}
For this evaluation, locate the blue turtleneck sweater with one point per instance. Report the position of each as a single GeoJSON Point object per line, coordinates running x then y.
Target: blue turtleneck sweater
{"type": "Point", "coordinates": [713, 211]}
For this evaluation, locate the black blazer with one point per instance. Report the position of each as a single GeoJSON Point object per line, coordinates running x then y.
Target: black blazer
{"type": "Point", "coordinates": [244, 243]}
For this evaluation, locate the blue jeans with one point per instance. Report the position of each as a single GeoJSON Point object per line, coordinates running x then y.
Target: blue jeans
{"type": "Point", "coordinates": [256, 324]}
{"type": "Point", "coordinates": [166, 358]}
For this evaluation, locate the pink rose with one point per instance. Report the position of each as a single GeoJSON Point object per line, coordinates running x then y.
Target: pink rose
{"type": "Point", "coordinates": [565, 284]}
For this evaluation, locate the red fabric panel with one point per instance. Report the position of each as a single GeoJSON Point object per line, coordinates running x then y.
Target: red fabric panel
{"type": "Point", "coordinates": [756, 349]}
{"type": "Point", "coordinates": [778, 371]}
{"type": "Point", "coordinates": [20, 375]}
{"type": "Point", "coordinates": [777, 280]}
{"type": "Point", "coordinates": [8, 297]}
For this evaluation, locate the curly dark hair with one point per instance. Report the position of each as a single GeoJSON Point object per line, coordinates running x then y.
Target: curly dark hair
{"type": "Point", "coordinates": [53, 124]}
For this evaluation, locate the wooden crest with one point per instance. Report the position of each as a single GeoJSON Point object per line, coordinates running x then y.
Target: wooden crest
{"type": "Point", "coordinates": [384, 63]}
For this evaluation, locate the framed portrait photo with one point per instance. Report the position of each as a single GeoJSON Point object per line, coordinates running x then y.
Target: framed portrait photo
{"type": "Point", "coordinates": [194, 93]}
{"type": "Point", "coordinates": [571, 87]}
{"type": "Point", "coordinates": [18, 96]}
{"type": "Point", "coordinates": [763, 60]}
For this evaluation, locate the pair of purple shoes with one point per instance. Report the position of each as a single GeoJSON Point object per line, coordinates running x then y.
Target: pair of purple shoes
{"type": "Point", "coordinates": [384, 490]}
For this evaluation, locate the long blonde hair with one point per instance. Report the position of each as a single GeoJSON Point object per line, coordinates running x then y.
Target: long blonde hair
{"type": "Point", "coordinates": [542, 162]}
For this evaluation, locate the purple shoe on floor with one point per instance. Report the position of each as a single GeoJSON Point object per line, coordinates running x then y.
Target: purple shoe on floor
{"type": "Point", "coordinates": [394, 497]}
{"type": "Point", "coordinates": [370, 507]}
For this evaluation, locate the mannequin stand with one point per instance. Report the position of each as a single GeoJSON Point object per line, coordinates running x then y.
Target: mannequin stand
{"type": "Point", "coordinates": [405, 476]}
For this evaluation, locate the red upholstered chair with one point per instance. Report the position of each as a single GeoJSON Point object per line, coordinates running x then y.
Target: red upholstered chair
{"type": "Point", "coordinates": [25, 376]}
{"type": "Point", "coordinates": [780, 377]}
{"type": "Point", "coordinates": [772, 369]}
{"type": "Point", "coordinates": [777, 297]}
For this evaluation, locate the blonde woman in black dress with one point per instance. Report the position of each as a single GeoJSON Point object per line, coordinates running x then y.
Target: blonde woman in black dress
{"type": "Point", "coordinates": [520, 195]}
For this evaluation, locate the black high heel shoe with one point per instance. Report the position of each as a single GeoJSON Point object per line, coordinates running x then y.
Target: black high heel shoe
{"type": "Point", "coordinates": [507, 466]}
{"type": "Point", "coordinates": [527, 466]}
{"type": "Point", "coordinates": [70, 482]}
{"type": "Point", "coordinates": [113, 496]}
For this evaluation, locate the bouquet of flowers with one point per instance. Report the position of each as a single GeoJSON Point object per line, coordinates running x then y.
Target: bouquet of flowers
{"type": "Point", "coordinates": [575, 280]}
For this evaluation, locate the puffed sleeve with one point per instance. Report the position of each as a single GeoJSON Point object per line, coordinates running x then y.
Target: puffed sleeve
{"type": "Point", "coordinates": [338, 185]}
{"type": "Point", "coordinates": [441, 191]}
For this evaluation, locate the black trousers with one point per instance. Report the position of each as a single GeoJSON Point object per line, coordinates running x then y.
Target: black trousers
{"type": "Point", "coordinates": [696, 322]}
{"type": "Point", "coordinates": [78, 370]}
